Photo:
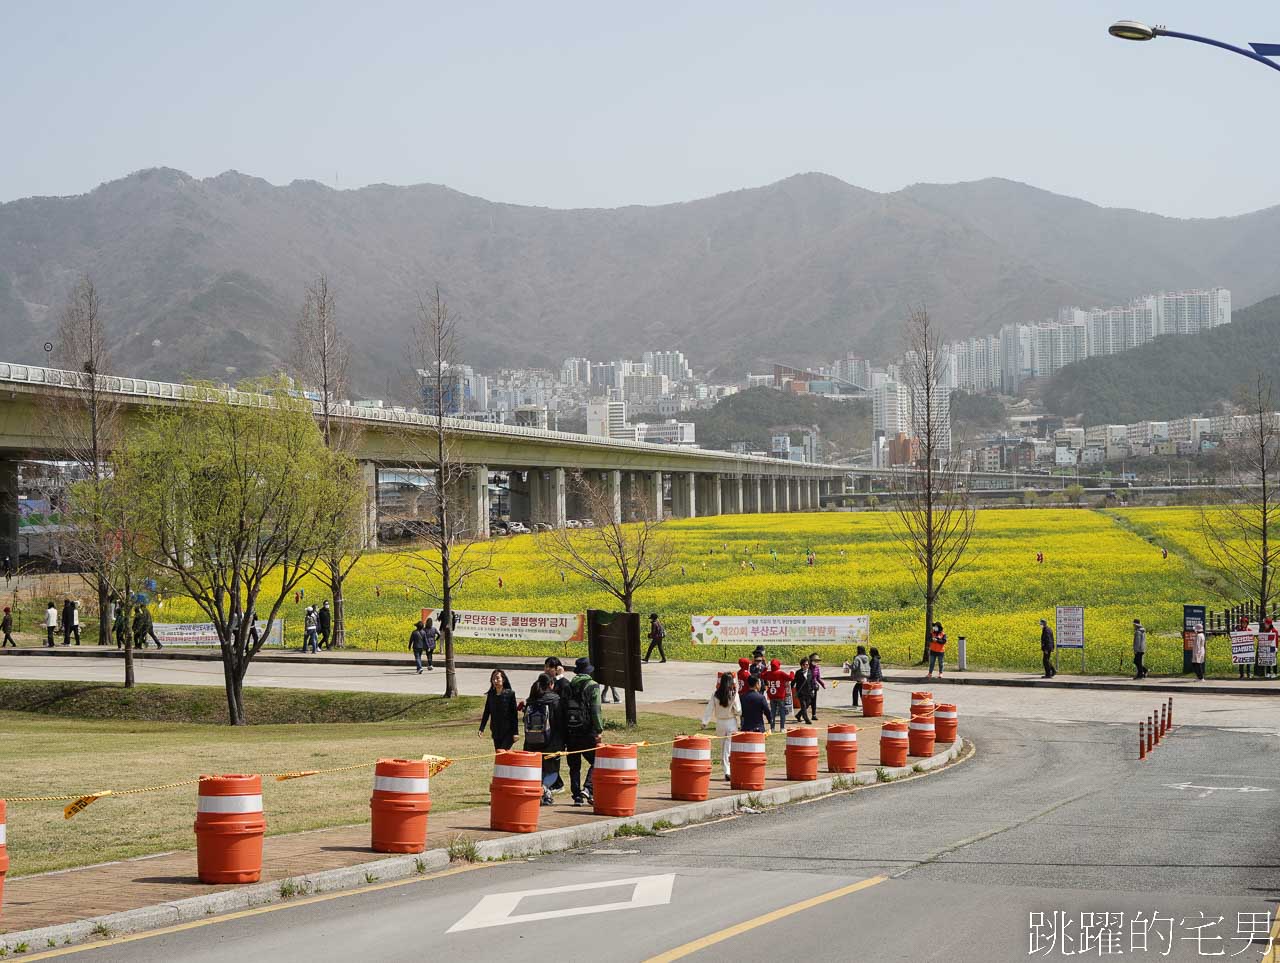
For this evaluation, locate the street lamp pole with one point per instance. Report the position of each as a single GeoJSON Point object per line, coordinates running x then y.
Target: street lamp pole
{"type": "Point", "coordinates": [1135, 30]}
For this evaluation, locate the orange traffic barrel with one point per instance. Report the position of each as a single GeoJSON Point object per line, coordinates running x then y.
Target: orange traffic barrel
{"type": "Point", "coordinates": [229, 828]}
{"type": "Point", "coordinates": [872, 699]}
{"type": "Point", "coordinates": [400, 802]}
{"type": "Point", "coordinates": [893, 744]}
{"type": "Point", "coordinates": [921, 736]}
{"type": "Point", "coordinates": [842, 747]}
{"type": "Point", "coordinates": [802, 753]}
{"type": "Point", "coordinates": [945, 722]}
{"type": "Point", "coordinates": [921, 703]}
{"type": "Point", "coordinates": [516, 791]}
{"type": "Point", "coordinates": [4, 855]}
{"type": "Point", "coordinates": [691, 768]}
{"type": "Point", "coordinates": [747, 760]}
{"type": "Point", "coordinates": [615, 781]}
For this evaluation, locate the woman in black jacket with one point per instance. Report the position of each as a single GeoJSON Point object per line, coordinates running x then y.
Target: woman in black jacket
{"type": "Point", "coordinates": [500, 711]}
{"type": "Point", "coordinates": [545, 730]}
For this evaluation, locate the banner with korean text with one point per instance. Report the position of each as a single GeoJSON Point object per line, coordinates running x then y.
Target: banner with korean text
{"type": "Point", "coordinates": [204, 634]}
{"type": "Point", "coordinates": [781, 629]}
{"type": "Point", "coordinates": [516, 626]}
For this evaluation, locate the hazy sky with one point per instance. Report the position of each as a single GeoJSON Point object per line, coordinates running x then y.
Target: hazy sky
{"type": "Point", "coordinates": [603, 104]}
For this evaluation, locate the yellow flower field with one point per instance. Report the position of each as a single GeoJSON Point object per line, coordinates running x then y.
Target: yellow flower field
{"type": "Point", "coordinates": [1095, 559]}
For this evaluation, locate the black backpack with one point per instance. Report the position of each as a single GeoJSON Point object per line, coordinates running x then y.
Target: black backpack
{"type": "Point", "coordinates": [537, 724]}
{"type": "Point", "coordinates": [578, 709]}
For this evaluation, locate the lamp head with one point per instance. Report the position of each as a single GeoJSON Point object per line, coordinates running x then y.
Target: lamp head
{"type": "Point", "coordinates": [1131, 30]}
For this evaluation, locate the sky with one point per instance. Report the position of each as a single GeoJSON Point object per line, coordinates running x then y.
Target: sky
{"type": "Point", "coordinates": [565, 104]}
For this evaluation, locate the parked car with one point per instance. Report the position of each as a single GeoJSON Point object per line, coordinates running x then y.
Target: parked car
{"type": "Point", "coordinates": [572, 523]}
{"type": "Point", "coordinates": [517, 528]}
{"type": "Point", "coordinates": [541, 527]}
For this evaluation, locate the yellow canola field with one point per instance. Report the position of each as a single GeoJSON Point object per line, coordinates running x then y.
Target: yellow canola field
{"type": "Point", "coordinates": [756, 564]}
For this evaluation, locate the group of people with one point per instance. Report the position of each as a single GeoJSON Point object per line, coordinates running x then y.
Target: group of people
{"type": "Point", "coordinates": [560, 715]}
{"type": "Point", "coordinates": [317, 623]}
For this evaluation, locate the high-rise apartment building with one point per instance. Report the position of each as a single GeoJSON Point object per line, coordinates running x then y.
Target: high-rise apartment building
{"type": "Point", "coordinates": [607, 418]}
{"type": "Point", "coordinates": [673, 364]}
{"type": "Point", "coordinates": [575, 371]}
{"type": "Point", "coordinates": [891, 408]}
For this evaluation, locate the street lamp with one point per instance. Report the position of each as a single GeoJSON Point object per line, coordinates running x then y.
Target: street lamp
{"type": "Point", "coordinates": [1135, 30]}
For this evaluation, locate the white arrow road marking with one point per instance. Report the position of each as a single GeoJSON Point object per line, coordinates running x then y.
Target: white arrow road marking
{"type": "Point", "coordinates": [497, 909]}
{"type": "Point", "coordinates": [1210, 790]}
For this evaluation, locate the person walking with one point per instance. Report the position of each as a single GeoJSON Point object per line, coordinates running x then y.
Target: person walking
{"type": "Point", "coordinates": [725, 709]}
{"type": "Point", "coordinates": [859, 670]}
{"type": "Point", "coordinates": [755, 707]}
{"type": "Point", "coordinates": [431, 639]}
{"type": "Point", "coordinates": [584, 725]}
{"type": "Point", "coordinates": [119, 626]}
{"type": "Point", "coordinates": [68, 620]}
{"type": "Point", "coordinates": [554, 669]}
{"type": "Point", "coordinates": [937, 648]}
{"type": "Point", "coordinates": [311, 630]}
{"type": "Point", "coordinates": [876, 673]}
{"type": "Point", "coordinates": [144, 628]}
{"type": "Point", "coordinates": [815, 671]}
{"type": "Point", "coordinates": [657, 633]}
{"type": "Point", "coordinates": [417, 643]}
{"type": "Point", "coordinates": [544, 731]}
{"type": "Point", "coordinates": [50, 624]}
{"type": "Point", "coordinates": [777, 689]}
{"type": "Point", "coordinates": [6, 627]}
{"type": "Point", "coordinates": [500, 712]}
{"type": "Point", "coordinates": [1139, 649]}
{"type": "Point", "coordinates": [324, 622]}
{"type": "Point", "coordinates": [1198, 654]}
{"type": "Point", "coordinates": [802, 690]}
{"type": "Point", "coordinates": [1046, 650]}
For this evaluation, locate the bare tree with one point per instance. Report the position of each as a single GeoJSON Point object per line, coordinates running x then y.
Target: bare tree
{"type": "Point", "coordinates": [453, 554]}
{"type": "Point", "coordinates": [84, 421]}
{"type": "Point", "coordinates": [619, 558]}
{"type": "Point", "coordinates": [934, 513]}
{"type": "Point", "coordinates": [321, 355]}
{"type": "Point", "coordinates": [1237, 525]}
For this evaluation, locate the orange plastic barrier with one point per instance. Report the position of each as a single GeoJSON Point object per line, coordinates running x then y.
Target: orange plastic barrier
{"type": "Point", "coordinates": [921, 738]}
{"type": "Point", "coordinates": [893, 744]}
{"type": "Point", "coordinates": [516, 791]}
{"type": "Point", "coordinates": [842, 747]}
{"type": "Point", "coordinates": [922, 703]}
{"type": "Point", "coordinates": [872, 699]}
{"type": "Point", "coordinates": [615, 781]}
{"type": "Point", "coordinates": [802, 753]}
{"type": "Point", "coordinates": [691, 768]}
{"type": "Point", "coordinates": [229, 828]}
{"type": "Point", "coordinates": [399, 805]}
{"type": "Point", "coordinates": [4, 855]}
{"type": "Point", "coordinates": [946, 721]}
{"type": "Point", "coordinates": [747, 760]}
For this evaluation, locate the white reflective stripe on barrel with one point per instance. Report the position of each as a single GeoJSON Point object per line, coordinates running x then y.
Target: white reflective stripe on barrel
{"type": "Point", "coordinates": [746, 747]}
{"type": "Point", "coordinates": [615, 762]}
{"type": "Point", "coordinates": [1, 834]}
{"type": "Point", "coordinates": [230, 804]}
{"type": "Point", "coordinates": [842, 737]}
{"type": "Point", "coordinates": [690, 753]}
{"type": "Point", "coordinates": [928, 726]}
{"type": "Point", "coordinates": [523, 773]}
{"type": "Point", "coordinates": [802, 741]}
{"type": "Point", "coordinates": [892, 734]}
{"type": "Point", "coordinates": [944, 715]}
{"type": "Point", "coordinates": [401, 784]}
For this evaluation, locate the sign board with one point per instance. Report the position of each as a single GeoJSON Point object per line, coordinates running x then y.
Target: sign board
{"type": "Point", "coordinates": [1266, 649]}
{"type": "Point", "coordinates": [1070, 626]}
{"type": "Point", "coordinates": [203, 633]}
{"type": "Point", "coordinates": [613, 645]}
{"type": "Point", "coordinates": [518, 626]}
{"type": "Point", "coordinates": [1242, 648]}
{"type": "Point", "coordinates": [755, 630]}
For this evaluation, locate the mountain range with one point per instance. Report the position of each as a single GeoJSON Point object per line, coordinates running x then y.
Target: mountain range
{"type": "Point", "coordinates": [203, 277]}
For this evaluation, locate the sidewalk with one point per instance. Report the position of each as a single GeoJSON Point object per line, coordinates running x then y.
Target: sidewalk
{"type": "Point", "coordinates": [903, 675]}
{"type": "Point", "coordinates": [70, 896]}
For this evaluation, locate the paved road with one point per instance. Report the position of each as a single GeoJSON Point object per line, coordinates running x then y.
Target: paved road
{"type": "Point", "coordinates": [687, 681]}
{"type": "Point", "coordinates": [1047, 818]}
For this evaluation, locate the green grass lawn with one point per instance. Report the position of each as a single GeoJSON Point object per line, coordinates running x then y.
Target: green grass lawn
{"type": "Point", "coordinates": [54, 754]}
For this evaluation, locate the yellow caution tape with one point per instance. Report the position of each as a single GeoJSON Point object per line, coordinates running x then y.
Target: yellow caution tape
{"type": "Point", "coordinates": [83, 803]}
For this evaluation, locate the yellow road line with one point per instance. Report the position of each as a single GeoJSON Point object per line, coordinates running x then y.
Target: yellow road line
{"type": "Point", "coordinates": [1273, 955]}
{"type": "Point", "coordinates": [256, 911]}
{"type": "Point", "coordinates": [694, 946]}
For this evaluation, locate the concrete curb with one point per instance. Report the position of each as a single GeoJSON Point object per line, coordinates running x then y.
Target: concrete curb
{"type": "Point", "coordinates": [404, 867]}
{"type": "Point", "coordinates": [1173, 688]}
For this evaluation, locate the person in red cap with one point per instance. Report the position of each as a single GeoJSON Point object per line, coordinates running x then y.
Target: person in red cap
{"type": "Point", "coordinates": [777, 688]}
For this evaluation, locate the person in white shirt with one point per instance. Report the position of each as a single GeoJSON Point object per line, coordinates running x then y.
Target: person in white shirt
{"type": "Point", "coordinates": [50, 623]}
{"type": "Point", "coordinates": [725, 708]}
{"type": "Point", "coordinates": [1197, 655]}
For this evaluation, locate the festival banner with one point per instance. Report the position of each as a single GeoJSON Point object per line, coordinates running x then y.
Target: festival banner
{"type": "Point", "coordinates": [516, 626]}
{"type": "Point", "coordinates": [204, 634]}
{"type": "Point", "coordinates": [1242, 645]}
{"type": "Point", "coordinates": [781, 629]}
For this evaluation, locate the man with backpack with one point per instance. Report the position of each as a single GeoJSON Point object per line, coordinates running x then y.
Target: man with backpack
{"type": "Point", "coordinates": [584, 725]}
{"type": "Point", "coordinates": [544, 730]}
{"type": "Point", "coordinates": [657, 633]}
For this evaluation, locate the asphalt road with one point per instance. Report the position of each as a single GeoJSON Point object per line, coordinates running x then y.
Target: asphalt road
{"type": "Point", "coordinates": [1047, 818]}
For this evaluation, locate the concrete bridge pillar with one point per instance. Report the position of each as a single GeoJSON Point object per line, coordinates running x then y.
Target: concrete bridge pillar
{"type": "Point", "coordinates": [547, 496]}
{"type": "Point", "coordinates": [519, 507]}
{"type": "Point", "coordinates": [784, 495]}
{"type": "Point", "coordinates": [710, 497]}
{"type": "Point", "coordinates": [768, 494]}
{"type": "Point", "coordinates": [368, 519]}
{"type": "Point", "coordinates": [733, 495]}
{"type": "Point", "coordinates": [684, 494]}
{"type": "Point", "coordinates": [613, 490]}
{"type": "Point", "coordinates": [476, 495]}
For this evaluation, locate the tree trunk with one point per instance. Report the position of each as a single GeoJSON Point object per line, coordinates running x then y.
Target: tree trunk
{"type": "Point", "coordinates": [338, 639]}
{"type": "Point", "coordinates": [450, 672]}
{"type": "Point", "coordinates": [104, 606]}
{"type": "Point", "coordinates": [128, 659]}
{"type": "Point", "coordinates": [234, 685]}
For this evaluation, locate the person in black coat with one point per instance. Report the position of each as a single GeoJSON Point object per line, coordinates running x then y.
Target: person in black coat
{"type": "Point", "coordinates": [324, 622]}
{"type": "Point", "coordinates": [500, 711]}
